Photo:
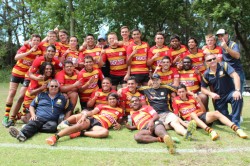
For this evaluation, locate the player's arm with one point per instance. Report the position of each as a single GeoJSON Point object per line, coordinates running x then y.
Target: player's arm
{"type": "Point", "coordinates": [26, 53]}
{"type": "Point", "coordinates": [38, 90]}
{"type": "Point", "coordinates": [71, 87]}
{"type": "Point", "coordinates": [92, 100]}
{"type": "Point", "coordinates": [130, 55]}
{"type": "Point", "coordinates": [237, 93]}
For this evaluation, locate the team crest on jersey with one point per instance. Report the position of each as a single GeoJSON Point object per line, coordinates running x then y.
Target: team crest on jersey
{"type": "Point", "coordinates": [162, 93]}
{"type": "Point", "coordinates": [191, 75]}
{"type": "Point", "coordinates": [169, 77]}
{"type": "Point", "coordinates": [221, 73]}
{"type": "Point", "coordinates": [59, 102]}
{"type": "Point", "coordinates": [97, 53]}
{"type": "Point", "coordinates": [120, 53]}
{"type": "Point", "coordinates": [96, 76]}
{"type": "Point", "coordinates": [145, 49]}
{"type": "Point", "coordinates": [117, 113]}
{"type": "Point", "coordinates": [200, 59]}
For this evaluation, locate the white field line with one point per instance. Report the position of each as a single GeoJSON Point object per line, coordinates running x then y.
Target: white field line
{"type": "Point", "coordinates": [131, 150]}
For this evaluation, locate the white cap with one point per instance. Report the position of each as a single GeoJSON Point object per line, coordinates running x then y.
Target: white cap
{"type": "Point", "coordinates": [221, 32]}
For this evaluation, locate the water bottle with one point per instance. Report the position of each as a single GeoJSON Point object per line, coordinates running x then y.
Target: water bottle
{"type": "Point", "coordinates": [129, 120]}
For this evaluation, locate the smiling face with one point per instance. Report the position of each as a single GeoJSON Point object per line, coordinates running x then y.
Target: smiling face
{"type": "Point", "coordinates": [192, 44]}
{"type": "Point", "coordinates": [48, 71]}
{"type": "Point", "coordinates": [187, 64]}
{"type": "Point", "coordinates": [63, 37]}
{"type": "Point", "coordinates": [125, 33]}
{"type": "Point", "coordinates": [159, 40]}
{"type": "Point", "coordinates": [111, 39]}
{"type": "Point", "coordinates": [156, 82]}
{"type": "Point", "coordinates": [50, 52]}
{"type": "Point", "coordinates": [90, 41]}
{"type": "Point", "coordinates": [106, 85]}
{"type": "Point", "coordinates": [135, 103]}
{"type": "Point", "coordinates": [136, 35]}
{"type": "Point", "coordinates": [211, 60]}
{"type": "Point", "coordinates": [73, 42]}
{"type": "Point", "coordinates": [175, 44]}
{"type": "Point", "coordinates": [69, 69]}
{"type": "Point", "coordinates": [112, 101]}
{"type": "Point", "coordinates": [52, 37]}
{"type": "Point", "coordinates": [165, 64]}
{"type": "Point", "coordinates": [35, 41]}
{"type": "Point", "coordinates": [88, 62]}
{"type": "Point", "coordinates": [210, 41]}
{"type": "Point", "coordinates": [131, 85]}
{"type": "Point", "coordinates": [53, 87]}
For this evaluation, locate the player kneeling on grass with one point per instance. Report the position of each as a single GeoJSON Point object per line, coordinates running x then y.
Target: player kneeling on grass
{"type": "Point", "coordinates": [45, 110]}
{"type": "Point", "coordinates": [191, 107]}
{"type": "Point", "coordinates": [145, 119]}
{"type": "Point", "coordinates": [93, 123]}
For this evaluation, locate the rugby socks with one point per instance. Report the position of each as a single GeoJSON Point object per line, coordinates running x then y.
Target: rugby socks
{"type": "Point", "coordinates": [208, 129]}
{"type": "Point", "coordinates": [13, 117]}
{"type": "Point", "coordinates": [57, 137]}
{"type": "Point", "coordinates": [234, 127]}
{"type": "Point", "coordinates": [7, 110]}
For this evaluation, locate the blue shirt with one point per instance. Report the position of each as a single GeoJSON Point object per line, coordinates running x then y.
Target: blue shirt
{"type": "Point", "coordinates": [50, 109]}
{"type": "Point", "coordinates": [221, 81]}
{"type": "Point", "coordinates": [235, 63]}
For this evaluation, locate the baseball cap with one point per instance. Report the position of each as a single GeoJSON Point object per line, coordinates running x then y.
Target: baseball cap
{"type": "Point", "coordinates": [221, 32]}
{"type": "Point", "coordinates": [156, 76]}
{"type": "Point", "coordinates": [101, 37]}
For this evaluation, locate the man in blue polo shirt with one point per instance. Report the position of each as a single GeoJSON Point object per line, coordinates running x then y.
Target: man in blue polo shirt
{"type": "Point", "coordinates": [45, 110]}
{"type": "Point", "coordinates": [224, 89]}
{"type": "Point", "coordinates": [231, 54]}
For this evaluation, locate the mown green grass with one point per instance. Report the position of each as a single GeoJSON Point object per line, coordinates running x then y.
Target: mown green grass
{"type": "Point", "coordinates": [124, 139]}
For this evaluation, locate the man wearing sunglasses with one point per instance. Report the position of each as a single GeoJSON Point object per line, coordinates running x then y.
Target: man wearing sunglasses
{"type": "Point", "coordinates": [45, 110]}
{"type": "Point", "coordinates": [223, 88]}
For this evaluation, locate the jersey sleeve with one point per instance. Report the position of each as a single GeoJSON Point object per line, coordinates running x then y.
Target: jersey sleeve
{"type": "Point", "coordinates": [175, 107]}
{"type": "Point", "coordinates": [60, 78]}
{"type": "Point", "coordinates": [23, 49]}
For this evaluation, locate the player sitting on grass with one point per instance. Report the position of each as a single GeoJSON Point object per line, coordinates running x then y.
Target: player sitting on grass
{"type": "Point", "coordinates": [145, 119]}
{"type": "Point", "coordinates": [191, 107]}
{"type": "Point", "coordinates": [93, 123]}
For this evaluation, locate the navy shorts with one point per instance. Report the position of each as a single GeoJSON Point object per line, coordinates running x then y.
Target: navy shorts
{"type": "Point", "coordinates": [116, 80]}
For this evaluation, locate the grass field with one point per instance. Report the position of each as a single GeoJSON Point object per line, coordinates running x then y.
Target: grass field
{"type": "Point", "coordinates": [120, 148]}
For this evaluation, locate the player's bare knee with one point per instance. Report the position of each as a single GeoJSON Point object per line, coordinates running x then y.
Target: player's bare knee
{"type": "Point", "coordinates": [104, 133]}
{"type": "Point", "coordinates": [137, 138]}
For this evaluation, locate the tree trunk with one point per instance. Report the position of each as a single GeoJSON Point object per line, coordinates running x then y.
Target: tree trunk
{"type": "Point", "coordinates": [72, 19]}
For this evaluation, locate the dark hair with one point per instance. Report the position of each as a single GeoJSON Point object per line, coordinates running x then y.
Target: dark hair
{"type": "Point", "coordinates": [132, 78]}
{"type": "Point", "coordinates": [195, 40]}
{"type": "Point", "coordinates": [159, 33]}
{"type": "Point", "coordinates": [115, 95]}
{"type": "Point", "coordinates": [74, 37]}
{"type": "Point", "coordinates": [36, 36]}
{"type": "Point", "coordinates": [52, 46]}
{"type": "Point", "coordinates": [181, 86]}
{"type": "Point", "coordinates": [43, 66]}
{"type": "Point", "coordinates": [187, 57]}
{"type": "Point", "coordinates": [90, 34]}
{"type": "Point", "coordinates": [136, 30]}
{"type": "Point", "coordinates": [107, 78]}
{"type": "Point", "coordinates": [67, 62]}
{"type": "Point", "coordinates": [175, 36]}
{"type": "Point", "coordinates": [89, 57]}
{"type": "Point", "coordinates": [64, 31]}
{"type": "Point", "coordinates": [166, 57]}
